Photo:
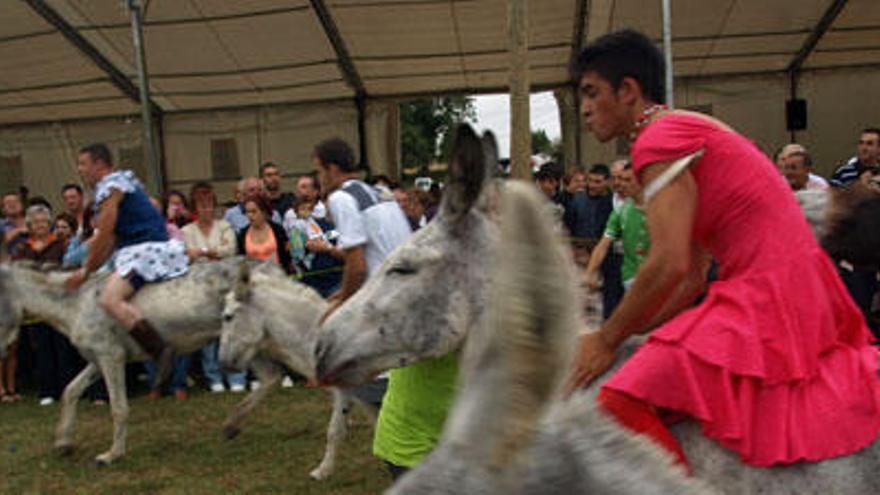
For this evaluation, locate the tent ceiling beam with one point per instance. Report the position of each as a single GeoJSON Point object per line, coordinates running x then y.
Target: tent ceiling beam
{"type": "Point", "coordinates": [816, 35]}
{"type": "Point", "coordinates": [117, 77]}
{"type": "Point", "coordinates": [349, 72]}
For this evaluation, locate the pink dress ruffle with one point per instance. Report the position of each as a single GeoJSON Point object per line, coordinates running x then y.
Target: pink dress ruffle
{"type": "Point", "coordinates": [776, 362]}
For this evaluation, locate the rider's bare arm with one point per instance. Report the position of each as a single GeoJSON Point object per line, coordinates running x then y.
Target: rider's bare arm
{"type": "Point", "coordinates": [354, 274]}
{"type": "Point", "coordinates": [670, 219]}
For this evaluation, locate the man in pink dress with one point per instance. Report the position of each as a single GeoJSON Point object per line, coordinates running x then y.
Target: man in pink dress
{"type": "Point", "coordinates": [775, 363]}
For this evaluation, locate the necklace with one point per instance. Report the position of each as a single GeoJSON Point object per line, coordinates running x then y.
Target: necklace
{"type": "Point", "coordinates": [645, 119]}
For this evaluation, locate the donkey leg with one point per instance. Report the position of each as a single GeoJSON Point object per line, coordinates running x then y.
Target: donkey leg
{"type": "Point", "coordinates": [72, 393]}
{"type": "Point", "coordinates": [114, 375]}
{"type": "Point", "coordinates": [337, 430]}
{"type": "Point", "coordinates": [270, 377]}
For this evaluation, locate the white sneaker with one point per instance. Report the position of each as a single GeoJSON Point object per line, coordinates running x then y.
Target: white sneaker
{"type": "Point", "coordinates": [236, 388]}
{"type": "Point", "coordinates": [255, 385]}
{"type": "Point", "coordinates": [47, 401]}
{"type": "Point", "coordinates": [217, 388]}
{"type": "Point", "coordinates": [287, 382]}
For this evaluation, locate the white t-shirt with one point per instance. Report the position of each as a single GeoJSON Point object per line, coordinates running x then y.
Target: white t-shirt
{"type": "Point", "coordinates": [380, 228]}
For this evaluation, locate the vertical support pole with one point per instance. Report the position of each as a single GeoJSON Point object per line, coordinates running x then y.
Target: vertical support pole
{"type": "Point", "coordinates": [520, 127]}
{"type": "Point", "coordinates": [667, 52]}
{"type": "Point", "coordinates": [793, 76]}
{"type": "Point", "coordinates": [134, 7]}
{"type": "Point", "coordinates": [360, 102]}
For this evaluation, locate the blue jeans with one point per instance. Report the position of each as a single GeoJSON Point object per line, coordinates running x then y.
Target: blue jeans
{"type": "Point", "coordinates": [211, 368]}
{"type": "Point", "coordinates": [178, 374]}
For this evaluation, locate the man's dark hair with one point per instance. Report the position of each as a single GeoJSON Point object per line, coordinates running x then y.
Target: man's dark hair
{"type": "Point", "coordinates": [266, 165]}
{"type": "Point", "coordinates": [335, 150]}
{"type": "Point", "coordinates": [98, 152]}
{"type": "Point", "coordinates": [871, 130]}
{"type": "Point", "coordinates": [313, 177]}
{"type": "Point", "coordinates": [549, 170]}
{"type": "Point", "coordinates": [70, 219]}
{"type": "Point", "coordinates": [601, 169]}
{"type": "Point", "coordinates": [73, 186]}
{"type": "Point", "coordinates": [625, 53]}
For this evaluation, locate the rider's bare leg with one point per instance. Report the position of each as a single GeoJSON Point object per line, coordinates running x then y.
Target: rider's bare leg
{"type": "Point", "coordinates": [115, 301]}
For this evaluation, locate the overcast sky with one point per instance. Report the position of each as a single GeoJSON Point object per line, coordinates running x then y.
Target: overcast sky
{"type": "Point", "coordinates": [493, 112]}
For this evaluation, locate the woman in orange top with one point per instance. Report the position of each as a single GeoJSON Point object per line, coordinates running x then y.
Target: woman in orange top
{"type": "Point", "coordinates": [263, 239]}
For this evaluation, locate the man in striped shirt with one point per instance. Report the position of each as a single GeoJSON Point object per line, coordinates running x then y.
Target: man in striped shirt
{"type": "Point", "coordinates": [867, 156]}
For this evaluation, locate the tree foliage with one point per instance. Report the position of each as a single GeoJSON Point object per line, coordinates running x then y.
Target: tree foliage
{"type": "Point", "coordinates": [426, 127]}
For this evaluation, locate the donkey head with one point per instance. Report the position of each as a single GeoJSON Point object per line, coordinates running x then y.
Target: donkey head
{"type": "Point", "coordinates": [427, 295]}
{"type": "Point", "coordinates": [243, 327]}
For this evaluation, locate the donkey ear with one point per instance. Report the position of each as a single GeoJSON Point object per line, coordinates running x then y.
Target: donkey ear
{"type": "Point", "coordinates": [490, 153]}
{"type": "Point", "coordinates": [467, 172]}
{"type": "Point", "coordinates": [243, 284]}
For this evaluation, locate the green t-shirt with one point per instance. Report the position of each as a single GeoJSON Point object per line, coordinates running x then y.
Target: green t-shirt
{"type": "Point", "coordinates": [414, 410]}
{"type": "Point", "coordinates": [627, 224]}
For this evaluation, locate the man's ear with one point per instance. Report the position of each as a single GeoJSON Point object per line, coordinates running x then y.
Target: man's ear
{"type": "Point", "coordinates": [629, 91]}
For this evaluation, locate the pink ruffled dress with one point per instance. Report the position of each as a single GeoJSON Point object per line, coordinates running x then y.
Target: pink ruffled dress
{"type": "Point", "coordinates": [776, 362]}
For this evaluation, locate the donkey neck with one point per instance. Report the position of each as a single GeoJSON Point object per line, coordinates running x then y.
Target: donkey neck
{"type": "Point", "coordinates": [42, 298]}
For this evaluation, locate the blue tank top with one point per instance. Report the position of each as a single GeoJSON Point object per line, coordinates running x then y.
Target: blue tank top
{"type": "Point", "coordinates": [137, 221]}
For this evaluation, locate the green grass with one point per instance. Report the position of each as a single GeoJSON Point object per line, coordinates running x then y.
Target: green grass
{"type": "Point", "coordinates": [177, 447]}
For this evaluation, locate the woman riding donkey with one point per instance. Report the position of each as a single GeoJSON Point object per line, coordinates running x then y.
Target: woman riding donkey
{"type": "Point", "coordinates": [775, 363]}
{"type": "Point", "coordinates": [129, 225]}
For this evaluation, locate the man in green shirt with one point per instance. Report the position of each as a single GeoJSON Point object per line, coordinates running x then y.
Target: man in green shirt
{"type": "Point", "coordinates": [627, 225]}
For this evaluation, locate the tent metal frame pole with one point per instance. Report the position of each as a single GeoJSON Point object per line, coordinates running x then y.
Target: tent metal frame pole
{"type": "Point", "coordinates": [520, 123]}
{"type": "Point", "coordinates": [582, 9]}
{"type": "Point", "coordinates": [797, 63]}
{"type": "Point", "coordinates": [150, 152]}
{"type": "Point", "coordinates": [349, 72]}
{"type": "Point", "coordinates": [667, 53]}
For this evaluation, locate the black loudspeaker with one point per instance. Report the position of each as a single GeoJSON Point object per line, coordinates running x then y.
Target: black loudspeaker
{"type": "Point", "coordinates": [796, 114]}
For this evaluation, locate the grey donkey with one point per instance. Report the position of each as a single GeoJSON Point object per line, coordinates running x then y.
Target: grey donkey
{"type": "Point", "coordinates": [509, 432]}
{"type": "Point", "coordinates": [187, 312]}
{"type": "Point", "coordinates": [268, 314]}
{"type": "Point", "coordinates": [431, 295]}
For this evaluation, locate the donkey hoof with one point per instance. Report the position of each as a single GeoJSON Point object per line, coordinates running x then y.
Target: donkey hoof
{"type": "Point", "coordinates": [317, 474]}
{"type": "Point", "coordinates": [231, 432]}
{"type": "Point", "coordinates": [103, 460]}
{"type": "Point", "coordinates": [64, 450]}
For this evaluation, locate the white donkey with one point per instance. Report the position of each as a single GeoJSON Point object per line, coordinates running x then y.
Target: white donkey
{"type": "Point", "coordinates": [268, 314]}
{"type": "Point", "coordinates": [508, 432]}
{"type": "Point", "coordinates": [431, 294]}
{"type": "Point", "coordinates": [186, 311]}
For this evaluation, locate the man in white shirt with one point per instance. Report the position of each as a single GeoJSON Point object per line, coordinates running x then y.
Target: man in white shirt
{"type": "Point", "coordinates": [813, 181]}
{"type": "Point", "coordinates": [369, 228]}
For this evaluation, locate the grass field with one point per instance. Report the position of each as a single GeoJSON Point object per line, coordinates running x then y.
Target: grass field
{"type": "Point", "coordinates": [177, 447]}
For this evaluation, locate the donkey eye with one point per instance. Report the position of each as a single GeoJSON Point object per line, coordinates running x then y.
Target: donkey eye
{"type": "Point", "coordinates": [228, 317]}
{"type": "Point", "coordinates": [402, 269]}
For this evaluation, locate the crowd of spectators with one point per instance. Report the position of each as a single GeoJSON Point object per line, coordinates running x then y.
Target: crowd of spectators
{"type": "Point", "coordinates": [264, 222]}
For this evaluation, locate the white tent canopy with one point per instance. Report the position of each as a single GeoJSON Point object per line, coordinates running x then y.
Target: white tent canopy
{"type": "Point", "coordinates": [276, 75]}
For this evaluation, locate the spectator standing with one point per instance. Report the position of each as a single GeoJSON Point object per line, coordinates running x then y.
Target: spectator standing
{"type": "Point", "coordinates": [209, 239]}
{"type": "Point", "coordinates": [13, 224]}
{"type": "Point", "coordinates": [308, 189]}
{"type": "Point", "coordinates": [867, 156]}
{"type": "Point", "coordinates": [248, 187]}
{"type": "Point", "coordinates": [797, 167]}
{"type": "Point", "coordinates": [56, 358]}
{"type": "Point", "coordinates": [263, 239]}
{"type": "Point", "coordinates": [281, 201]}
{"type": "Point", "coordinates": [74, 202]}
{"type": "Point", "coordinates": [813, 181]}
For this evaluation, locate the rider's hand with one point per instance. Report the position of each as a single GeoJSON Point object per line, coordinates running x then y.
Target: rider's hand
{"type": "Point", "coordinates": [75, 281]}
{"type": "Point", "coordinates": [592, 281]}
{"type": "Point", "coordinates": [594, 357]}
